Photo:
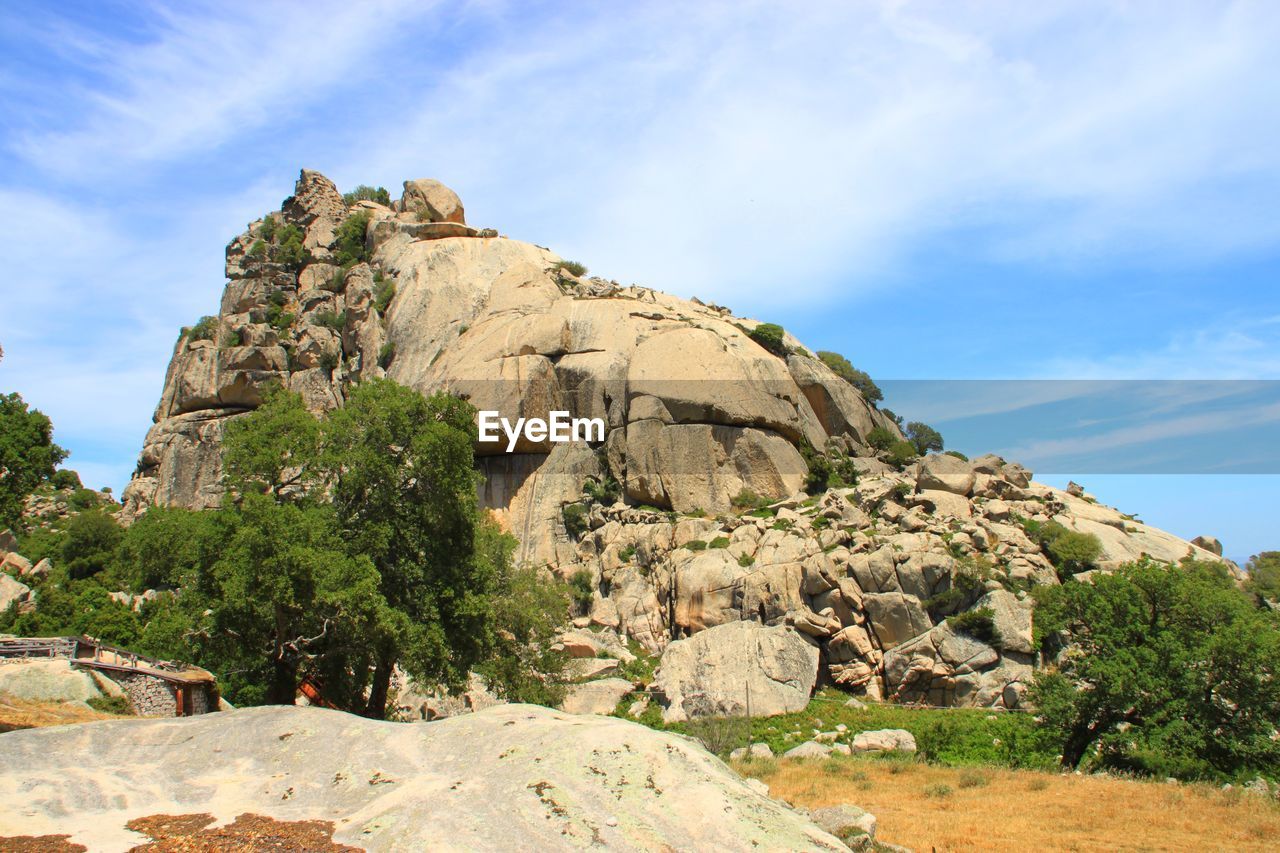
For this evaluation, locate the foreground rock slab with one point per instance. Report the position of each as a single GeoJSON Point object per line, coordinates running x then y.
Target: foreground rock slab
{"type": "Point", "coordinates": [513, 777]}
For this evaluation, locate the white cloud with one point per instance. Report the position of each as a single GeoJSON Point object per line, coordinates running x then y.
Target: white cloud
{"type": "Point", "coordinates": [752, 148]}
{"type": "Point", "coordinates": [207, 74]}
{"type": "Point", "coordinates": [1233, 347]}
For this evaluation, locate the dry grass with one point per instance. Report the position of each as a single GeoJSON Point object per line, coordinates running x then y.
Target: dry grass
{"type": "Point", "coordinates": [22, 714]}
{"type": "Point", "coordinates": [955, 809]}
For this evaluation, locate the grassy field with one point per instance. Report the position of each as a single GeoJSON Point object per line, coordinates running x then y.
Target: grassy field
{"type": "Point", "coordinates": [927, 806]}
{"type": "Point", "coordinates": [22, 714]}
{"type": "Point", "coordinates": [951, 736]}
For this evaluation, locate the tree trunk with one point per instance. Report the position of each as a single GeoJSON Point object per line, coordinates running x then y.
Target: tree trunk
{"type": "Point", "coordinates": [1078, 741]}
{"type": "Point", "coordinates": [283, 688]}
{"type": "Point", "coordinates": [381, 686]}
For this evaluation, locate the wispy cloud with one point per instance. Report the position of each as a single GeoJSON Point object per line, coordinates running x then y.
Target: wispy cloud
{"type": "Point", "coordinates": [202, 74]}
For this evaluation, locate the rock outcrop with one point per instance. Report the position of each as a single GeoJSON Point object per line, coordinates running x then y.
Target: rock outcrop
{"type": "Point", "coordinates": [697, 411]}
{"type": "Point", "coordinates": [515, 777]}
{"type": "Point", "coordinates": [719, 671]}
{"type": "Point", "coordinates": [704, 425]}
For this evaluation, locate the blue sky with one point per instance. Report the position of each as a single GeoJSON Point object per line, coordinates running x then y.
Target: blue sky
{"type": "Point", "coordinates": [939, 190]}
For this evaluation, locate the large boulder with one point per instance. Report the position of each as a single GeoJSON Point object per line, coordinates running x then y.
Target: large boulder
{"type": "Point", "coordinates": [12, 590]}
{"type": "Point", "coordinates": [1011, 618]}
{"type": "Point", "coordinates": [945, 473]}
{"type": "Point", "coordinates": [596, 697]}
{"type": "Point", "coordinates": [713, 672]}
{"type": "Point", "coordinates": [47, 681]}
{"type": "Point", "coordinates": [514, 777]}
{"type": "Point", "coordinates": [432, 201]}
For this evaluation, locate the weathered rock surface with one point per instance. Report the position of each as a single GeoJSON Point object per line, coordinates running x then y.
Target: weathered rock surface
{"type": "Point", "coordinates": [12, 591]}
{"type": "Point", "coordinates": [884, 740]}
{"type": "Point", "coordinates": [712, 672]}
{"type": "Point", "coordinates": [47, 681]}
{"type": "Point", "coordinates": [596, 697]}
{"type": "Point", "coordinates": [515, 777]}
{"type": "Point", "coordinates": [698, 411]}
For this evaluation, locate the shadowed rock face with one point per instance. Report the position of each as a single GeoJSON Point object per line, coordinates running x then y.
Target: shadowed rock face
{"type": "Point", "coordinates": [696, 410]}
{"type": "Point", "coordinates": [515, 777]}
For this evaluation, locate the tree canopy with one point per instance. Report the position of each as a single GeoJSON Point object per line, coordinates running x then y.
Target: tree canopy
{"type": "Point", "coordinates": [1168, 670]}
{"type": "Point", "coordinates": [924, 437]}
{"type": "Point", "coordinates": [28, 455]}
{"type": "Point", "coordinates": [859, 379]}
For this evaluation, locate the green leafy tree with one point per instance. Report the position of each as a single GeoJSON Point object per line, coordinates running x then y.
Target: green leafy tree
{"type": "Point", "coordinates": [403, 487]}
{"type": "Point", "coordinates": [90, 543]}
{"type": "Point", "coordinates": [881, 438]}
{"type": "Point", "coordinates": [275, 449]}
{"type": "Point", "coordinates": [529, 610]}
{"type": "Point", "coordinates": [65, 479]}
{"type": "Point", "coordinates": [166, 548]}
{"type": "Point", "coordinates": [771, 336]}
{"type": "Point", "coordinates": [925, 438]}
{"type": "Point", "coordinates": [1264, 575]}
{"type": "Point", "coordinates": [859, 379]}
{"type": "Point", "coordinates": [28, 455]}
{"type": "Point", "coordinates": [283, 594]}
{"type": "Point", "coordinates": [1169, 670]}
{"type": "Point", "coordinates": [902, 452]}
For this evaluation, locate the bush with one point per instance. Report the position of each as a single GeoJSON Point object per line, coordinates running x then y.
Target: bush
{"type": "Point", "coordinates": [82, 499]}
{"type": "Point", "coordinates": [233, 338]}
{"type": "Point", "coordinates": [335, 282]}
{"type": "Point", "coordinates": [118, 705]}
{"type": "Point", "coordinates": [329, 360]}
{"type": "Point", "coordinates": [204, 330]}
{"type": "Point", "coordinates": [817, 477]}
{"type": "Point", "coordinates": [859, 379]}
{"type": "Point", "coordinates": [747, 499]}
{"type": "Point", "coordinates": [384, 292]}
{"type": "Point", "coordinates": [258, 251]}
{"type": "Point", "coordinates": [572, 268]}
{"type": "Point", "coordinates": [746, 561]}
{"type": "Point", "coordinates": [770, 336]}
{"type": "Point", "coordinates": [938, 790]}
{"type": "Point", "coordinates": [65, 478]}
{"type": "Point", "coordinates": [924, 437]}
{"type": "Point", "coordinates": [605, 491]}
{"type": "Point", "coordinates": [575, 519]}
{"type": "Point", "coordinates": [364, 192]}
{"type": "Point", "coordinates": [696, 545]}
{"type": "Point", "coordinates": [719, 542]}
{"type": "Point", "coordinates": [881, 438]}
{"type": "Point", "coordinates": [330, 319]}
{"type": "Point", "coordinates": [289, 251]}
{"type": "Point", "coordinates": [386, 355]}
{"type": "Point", "coordinates": [349, 240]}
{"type": "Point", "coordinates": [90, 545]}
{"type": "Point", "coordinates": [977, 624]}
{"type": "Point", "coordinates": [267, 230]}
{"type": "Point", "coordinates": [902, 452]}
{"type": "Point", "coordinates": [582, 587]}
{"type": "Point", "coordinates": [1070, 551]}
{"type": "Point", "coordinates": [627, 554]}
{"type": "Point", "coordinates": [957, 454]}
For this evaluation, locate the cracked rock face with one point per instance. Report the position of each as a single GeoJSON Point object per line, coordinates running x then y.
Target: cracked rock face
{"type": "Point", "coordinates": [696, 410]}
{"type": "Point", "coordinates": [513, 777]}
